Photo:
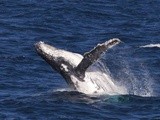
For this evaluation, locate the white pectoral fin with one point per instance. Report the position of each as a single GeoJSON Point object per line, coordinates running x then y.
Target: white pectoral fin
{"type": "Point", "coordinates": [93, 55]}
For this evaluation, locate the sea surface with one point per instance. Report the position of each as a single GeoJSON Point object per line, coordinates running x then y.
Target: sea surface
{"type": "Point", "coordinates": [31, 90]}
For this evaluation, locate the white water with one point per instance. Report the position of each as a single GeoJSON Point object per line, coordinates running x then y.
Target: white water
{"type": "Point", "coordinates": [151, 46]}
{"type": "Point", "coordinates": [135, 77]}
{"type": "Point", "coordinates": [128, 83]}
{"type": "Point", "coordinates": [98, 81]}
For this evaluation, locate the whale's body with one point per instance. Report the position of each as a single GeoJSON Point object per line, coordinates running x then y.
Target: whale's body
{"type": "Point", "coordinates": [82, 73]}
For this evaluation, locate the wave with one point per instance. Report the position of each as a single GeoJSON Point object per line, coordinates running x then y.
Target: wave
{"type": "Point", "coordinates": [151, 46]}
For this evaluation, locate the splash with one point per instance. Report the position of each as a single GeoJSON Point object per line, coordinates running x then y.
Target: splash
{"type": "Point", "coordinates": [104, 80]}
{"type": "Point", "coordinates": [134, 76]}
{"type": "Point", "coordinates": [139, 84]}
{"type": "Point", "coordinates": [129, 82]}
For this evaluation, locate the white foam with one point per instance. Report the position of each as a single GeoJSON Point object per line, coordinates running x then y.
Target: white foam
{"type": "Point", "coordinates": [98, 81]}
{"type": "Point", "coordinates": [151, 46]}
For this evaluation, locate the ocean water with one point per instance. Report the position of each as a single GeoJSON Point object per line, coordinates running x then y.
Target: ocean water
{"type": "Point", "coordinates": [31, 90]}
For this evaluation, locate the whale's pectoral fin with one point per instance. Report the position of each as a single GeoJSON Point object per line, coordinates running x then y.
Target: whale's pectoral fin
{"type": "Point", "coordinates": [93, 55]}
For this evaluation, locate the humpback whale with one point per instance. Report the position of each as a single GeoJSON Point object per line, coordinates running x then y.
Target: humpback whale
{"type": "Point", "coordinates": [84, 73]}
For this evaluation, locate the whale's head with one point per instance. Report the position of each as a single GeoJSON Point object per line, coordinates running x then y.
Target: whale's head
{"type": "Point", "coordinates": [48, 53]}
{"type": "Point", "coordinates": [60, 60]}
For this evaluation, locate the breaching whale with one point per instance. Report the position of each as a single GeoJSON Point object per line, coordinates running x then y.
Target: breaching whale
{"type": "Point", "coordinates": [85, 73]}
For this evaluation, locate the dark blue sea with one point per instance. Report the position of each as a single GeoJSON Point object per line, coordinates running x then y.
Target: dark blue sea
{"type": "Point", "coordinates": [31, 90]}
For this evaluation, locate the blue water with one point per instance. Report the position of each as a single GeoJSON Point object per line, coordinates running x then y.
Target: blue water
{"type": "Point", "coordinates": [30, 89]}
